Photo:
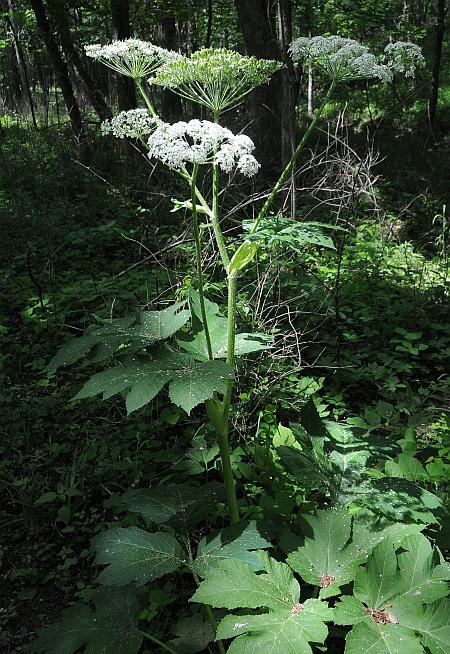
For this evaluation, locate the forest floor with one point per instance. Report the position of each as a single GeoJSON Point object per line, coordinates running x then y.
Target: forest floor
{"type": "Point", "coordinates": [377, 358]}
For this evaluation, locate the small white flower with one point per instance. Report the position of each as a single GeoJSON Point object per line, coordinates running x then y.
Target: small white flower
{"type": "Point", "coordinates": [133, 124]}
{"type": "Point", "coordinates": [132, 57]}
{"type": "Point", "coordinates": [202, 142]}
{"type": "Point", "coordinates": [404, 57]}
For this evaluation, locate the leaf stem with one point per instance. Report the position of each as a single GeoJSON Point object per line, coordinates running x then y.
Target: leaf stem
{"type": "Point", "coordinates": [231, 340]}
{"type": "Point", "coordinates": [148, 104]}
{"type": "Point", "coordinates": [284, 175]}
{"type": "Point", "coordinates": [198, 256]}
{"type": "Point", "coordinates": [155, 640]}
{"type": "Point", "coordinates": [215, 218]}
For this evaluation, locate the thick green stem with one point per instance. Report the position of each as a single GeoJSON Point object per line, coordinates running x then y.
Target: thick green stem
{"type": "Point", "coordinates": [231, 339]}
{"type": "Point", "coordinates": [198, 256]}
{"type": "Point", "coordinates": [215, 414]}
{"type": "Point", "coordinates": [148, 104]}
{"type": "Point", "coordinates": [215, 219]}
{"type": "Point", "coordinates": [284, 175]}
{"type": "Point", "coordinates": [160, 644]}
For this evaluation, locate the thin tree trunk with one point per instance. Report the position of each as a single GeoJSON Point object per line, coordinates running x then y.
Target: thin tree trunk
{"type": "Point", "coordinates": [59, 15]}
{"type": "Point", "coordinates": [21, 65]}
{"type": "Point", "coordinates": [258, 25]}
{"type": "Point", "coordinates": [437, 58]}
{"type": "Point", "coordinates": [62, 75]}
{"type": "Point", "coordinates": [209, 24]}
{"type": "Point", "coordinates": [120, 21]}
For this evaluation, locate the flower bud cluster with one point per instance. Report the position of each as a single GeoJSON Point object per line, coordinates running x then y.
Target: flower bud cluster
{"type": "Point", "coordinates": [340, 58]}
{"type": "Point", "coordinates": [404, 57]}
{"type": "Point", "coordinates": [202, 142]}
{"type": "Point", "coordinates": [215, 78]}
{"type": "Point", "coordinates": [132, 57]}
{"type": "Point", "coordinates": [134, 123]}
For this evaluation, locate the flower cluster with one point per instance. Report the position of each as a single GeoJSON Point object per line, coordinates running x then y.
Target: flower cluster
{"type": "Point", "coordinates": [132, 57]}
{"type": "Point", "coordinates": [404, 57]}
{"type": "Point", "coordinates": [340, 58]}
{"type": "Point", "coordinates": [215, 78]}
{"type": "Point", "coordinates": [132, 124]}
{"type": "Point", "coordinates": [201, 142]}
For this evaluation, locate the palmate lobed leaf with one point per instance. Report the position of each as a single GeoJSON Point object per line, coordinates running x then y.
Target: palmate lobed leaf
{"type": "Point", "coordinates": [284, 631]}
{"type": "Point", "coordinates": [109, 627]}
{"type": "Point", "coordinates": [287, 627]}
{"type": "Point", "coordinates": [152, 327]}
{"type": "Point", "coordinates": [135, 555]}
{"type": "Point", "coordinates": [399, 601]}
{"type": "Point", "coordinates": [193, 634]}
{"type": "Point", "coordinates": [335, 546]}
{"type": "Point", "coordinates": [190, 382]}
{"type": "Point", "coordinates": [176, 505]}
{"type": "Point", "coordinates": [235, 542]}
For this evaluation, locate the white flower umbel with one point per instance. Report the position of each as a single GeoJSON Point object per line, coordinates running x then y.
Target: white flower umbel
{"type": "Point", "coordinates": [215, 78]}
{"type": "Point", "coordinates": [202, 142]}
{"type": "Point", "coordinates": [130, 124]}
{"type": "Point", "coordinates": [132, 57]}
{"type": "Point", "coordinates": [339, 58]}
{"type": "Point", "coordinates": [404, 57]}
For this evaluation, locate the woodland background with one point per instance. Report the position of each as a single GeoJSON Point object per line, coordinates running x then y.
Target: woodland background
{"type": "Point", "coordinates": [86, 231]}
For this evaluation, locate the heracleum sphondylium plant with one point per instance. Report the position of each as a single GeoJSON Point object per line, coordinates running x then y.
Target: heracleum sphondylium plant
{"type": "Point", "coordinates": [153, 351]}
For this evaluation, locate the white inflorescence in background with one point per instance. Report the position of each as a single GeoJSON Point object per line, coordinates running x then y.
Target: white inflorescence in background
{"type": "Point", "coordinates": [404, 57]}
{"type": "Point", "coordinates": [201, 142]}
{"type": "Point", "coordinates": [132, 124]}
{"type": "Point", "coordinates": [132, 57]}
{"type": "Point", "coordinates": [340, 58]}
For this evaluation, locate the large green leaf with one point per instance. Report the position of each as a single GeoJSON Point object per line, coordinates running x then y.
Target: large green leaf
{"type": "Point", "coordinates": [233, 584]}
{"type": "Point", "coordinates": [109, 337]}
{"type": "Point", "coordinates": [335, 547]}
{"type": "Point", "coordinates": [367, 638]}
{"type": "Point", "coordinates": [153, 326]}
{"type": "Point", "coordinates": [135, 555]}
{"type": "Point", "coordinates": [285, 631]}
{"type": "Point", "coordinates": [179, 506]}
{"type": "Point", "coordinates": [390, 593]}
{"type": "Point", "coordinates": [190, 382]}
{"type": "Point", "coordinates": [235, 542]}
{"type": "Point", "coordinates": [293, 234]}
{"type": "Point", "coordinates": [109, 627]}
{"type": "Point", "coordinates": [288, 626]}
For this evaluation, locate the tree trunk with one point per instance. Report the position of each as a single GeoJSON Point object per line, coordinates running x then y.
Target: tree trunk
{"type": "Point", "coordinates": [437, 58]}
{"type": "Point", "coordinates": [120, 21]}
{"type": "Point", "coordinates": [209, 24]}
{"type": "Point", "coordinates": [21, 65]}
{"type": "Point", "coordinates": [171, 109]}
{"type": "Point", "coordinates": [59, 15]}
{"type": "Point", "coordinates": [258, 25]}
{"type": "Point", "coordinates": [289, 83]}
{"type": "Point", "coordinates": [62, 75]}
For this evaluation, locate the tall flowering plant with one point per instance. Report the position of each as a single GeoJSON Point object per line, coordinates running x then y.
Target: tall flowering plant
{"type": "Point", "coordinates": [198, 364]}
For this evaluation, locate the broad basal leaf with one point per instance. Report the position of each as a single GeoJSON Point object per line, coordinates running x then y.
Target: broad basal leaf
{"type": "Point", "coordinates": [406, 466]}
{"type": "Point", "coordinates": [335, 547]}
{"type": "Point", "coordinates": [293, 234]}
{"type": "Point", "coordinates": [159, 325]}
{"type": "Point", "coordinates": [179, 506]}
{"type": "Point", "coordinates": [109, 627]}
{"type": "Point", "coordinates": [390, 596]}
{"type": "Point", "coordinates": [285, 631]}
{"type": "Point", "coordinates": [136, 555]}
{"type": "Point", "coordinates": [367, 638]}
{"type": "Point", "coordinates": [190, 382]}
{"type": "Point", "coordinates": [236, 542]}
{"type": "Point", "coordinates": [232, 584]}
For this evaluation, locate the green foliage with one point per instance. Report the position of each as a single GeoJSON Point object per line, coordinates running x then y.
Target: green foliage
{"type": "Point", "coordinates": [284, 232]}
{"type": "Point", "coordinates": [190, 382]}
{"type": "Point", "coordinates": [110, 626]}
{"type": "Point", "coordinates": [397, 596]}
{"type": "Point", "coordinates": [288, 626]}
